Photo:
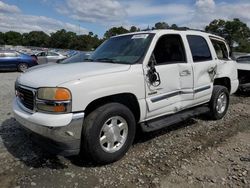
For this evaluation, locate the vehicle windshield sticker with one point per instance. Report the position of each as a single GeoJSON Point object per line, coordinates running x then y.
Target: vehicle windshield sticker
{"type": "Point", "coordinates": [141, 36]}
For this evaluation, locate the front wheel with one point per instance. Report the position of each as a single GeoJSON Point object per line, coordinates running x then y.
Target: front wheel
{"type": "Point", "coordinates": [22, 67]}
{"type": "Point", "coordinates": [108, 132]}
{"type": "Point", "coordinates": [219, 102]}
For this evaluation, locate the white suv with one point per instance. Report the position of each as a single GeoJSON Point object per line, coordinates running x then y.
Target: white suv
{"type": "Point", "coordinates": [151, 79]}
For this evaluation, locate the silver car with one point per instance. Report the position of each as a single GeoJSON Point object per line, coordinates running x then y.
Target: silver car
{"type": "Point", "coordinates": [45, 57]}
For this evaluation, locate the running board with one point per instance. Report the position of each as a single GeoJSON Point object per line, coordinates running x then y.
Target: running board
{"type": "Point", "coordinates": [165, 121]}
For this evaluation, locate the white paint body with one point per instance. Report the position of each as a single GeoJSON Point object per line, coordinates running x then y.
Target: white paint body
{"type": "Point", "coordinates": [90, 81]}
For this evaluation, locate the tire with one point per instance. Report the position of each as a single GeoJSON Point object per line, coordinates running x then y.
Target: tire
{"type": "Point", "coordinates": [101, 129]}
{"type": "Point", "coordinates": [22, 67]}
{"type": "Point", "coordinates": [219, 102]}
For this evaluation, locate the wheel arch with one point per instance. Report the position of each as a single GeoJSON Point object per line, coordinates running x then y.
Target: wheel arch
{"type": "Point", "coordinates": [224, 81]}
{"type": "Point", "coordinates": [127, 99]}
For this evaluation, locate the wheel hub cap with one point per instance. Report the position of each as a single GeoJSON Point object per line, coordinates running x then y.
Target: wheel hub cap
{"type": "Point", "coordinates": [113, 134]}
{"type": "Point", "coordinates": [221, 103]}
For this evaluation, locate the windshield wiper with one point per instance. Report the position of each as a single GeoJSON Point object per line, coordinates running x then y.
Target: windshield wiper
{"type": "Point", "coordinates": [88, 59]}
{"type": "Point", "coordinates": [106, 60]}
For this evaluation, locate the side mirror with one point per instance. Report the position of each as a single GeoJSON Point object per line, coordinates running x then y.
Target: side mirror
{"type": "Point", "coordinates": [153, 75]}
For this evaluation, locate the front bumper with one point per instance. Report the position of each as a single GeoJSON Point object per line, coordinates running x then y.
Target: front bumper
{"type": "Point", "coordinates": [58, 134]}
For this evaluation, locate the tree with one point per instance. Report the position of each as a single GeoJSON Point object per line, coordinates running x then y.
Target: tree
{"type": "Point", "coordinates": [2, 38]}
{"type": "Point", "coordinates": [13, 38]}
{"type": "Point", "coordinates": [58, 39]}
{"type": "Point", "coordinates": [161, 25]}
{"type": "Point", "coordinates": [115, 31]}
{"type": "Point", "coordinates": [134, 29]}
{"type": "Point", "coordinates": [235, 32]}
{"type": "Point", "coordinates": [174, 26]}
{"type": "Point", "coordinates": [36, 38]}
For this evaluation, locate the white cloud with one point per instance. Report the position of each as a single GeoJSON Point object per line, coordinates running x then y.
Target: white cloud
{"type": "Point", "coordinates": [148, 9]}
{"type": "Point", "coordinates": [208, 10]}
{"type": "Point", "coordinates": [93, 10]}
{"type": "Point", "coordinates": [16, 21]}
{"type": "Point", "coordinates": [198, 15]}
{"type": "Point", "coordinates": [6, 8]}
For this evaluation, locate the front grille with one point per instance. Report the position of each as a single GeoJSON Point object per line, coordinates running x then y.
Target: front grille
{"type": "Point", "coordinates": [26, 97]}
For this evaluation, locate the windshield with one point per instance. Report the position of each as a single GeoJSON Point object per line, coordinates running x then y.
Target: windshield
{"type": "Point", "coordinates": [128, 49]}
{"type": "Point", "coordinates": [79, 57]}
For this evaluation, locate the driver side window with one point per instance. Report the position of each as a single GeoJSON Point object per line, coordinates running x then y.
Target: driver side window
{"type": "Point", "coordinates": [169, 49]}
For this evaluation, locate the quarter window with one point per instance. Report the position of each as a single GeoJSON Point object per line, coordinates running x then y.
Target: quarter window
{"type": "Point", "coordinates": [199, 48]}
{"type": "Point", "coordinates": [220, 49]}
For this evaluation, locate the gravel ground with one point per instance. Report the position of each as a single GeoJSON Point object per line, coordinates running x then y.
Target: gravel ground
{"type": "Point", "coordinates": [194, 153]}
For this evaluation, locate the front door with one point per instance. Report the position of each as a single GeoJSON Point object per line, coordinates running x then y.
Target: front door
{"type": "Point", "coordinates": [172, 77]}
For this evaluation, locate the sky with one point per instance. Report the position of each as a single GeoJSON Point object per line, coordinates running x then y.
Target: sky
{"type": "Point", "coordinates": [83, 16]}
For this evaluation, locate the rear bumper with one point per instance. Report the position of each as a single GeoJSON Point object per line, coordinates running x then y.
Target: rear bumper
{"type": "Point", "coordinates": [58, 134]}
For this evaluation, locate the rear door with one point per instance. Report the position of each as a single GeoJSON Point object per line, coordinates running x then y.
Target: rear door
{"type": "Point", "coordinates": [204, 68]}
{"type": "Point", "coordinates": [52, 57]}
{"type": "Point", "coordinates": [41, 58]}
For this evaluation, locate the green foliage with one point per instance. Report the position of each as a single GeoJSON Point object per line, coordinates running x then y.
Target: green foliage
{"type": "Point", "coordinates": [13, 38]}
{"type": "Point", "coordinates": [115, 31]}
{"type": "Point", "coordinates": [235, 32]}
{"type": "Point", "coordinates": [134, 29]}
{"type": "Point", "coordinates": [2, 38]}
{"type": "Point", "coordinates": [36, 38]}
{"type": "Point", "coordinates": [161, 25]}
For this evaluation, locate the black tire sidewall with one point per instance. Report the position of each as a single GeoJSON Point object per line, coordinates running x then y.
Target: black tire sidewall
{"type": "Point", "coordinates": [19, 69]}
{"type": "Point", "coordinates": [217, 91]}
{"type": "Point", "coordinates": [93, 125]}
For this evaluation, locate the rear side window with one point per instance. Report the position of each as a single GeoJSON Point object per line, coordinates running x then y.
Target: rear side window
{"type": "Point", "coordinates": [199, 48]}
{"type": "Point", "coordinates": [220, 49]}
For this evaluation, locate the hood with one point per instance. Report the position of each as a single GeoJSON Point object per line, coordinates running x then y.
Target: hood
{"type": "Point", "coordinates": [39, 66]}
{"type": "Point", "coordinates": [56, 74]}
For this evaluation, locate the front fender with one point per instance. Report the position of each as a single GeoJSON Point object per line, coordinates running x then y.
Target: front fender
{"type": "Point", "coordinates": [86, 90]}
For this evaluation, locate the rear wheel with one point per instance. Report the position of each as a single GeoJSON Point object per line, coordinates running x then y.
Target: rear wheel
{"type": "Point", "coordinates": [219, 102]}
{"type": "Point", "coordinates": [22, 67]}
{"type": "Point", "coordinates": [108, 132]}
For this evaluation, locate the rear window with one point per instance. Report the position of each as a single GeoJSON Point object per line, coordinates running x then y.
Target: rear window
{"type": "Point", "coordinates": [199, 48]}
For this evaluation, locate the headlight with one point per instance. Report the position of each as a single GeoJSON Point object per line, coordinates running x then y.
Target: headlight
{"type": "Point", "coordinates": [53, 100]}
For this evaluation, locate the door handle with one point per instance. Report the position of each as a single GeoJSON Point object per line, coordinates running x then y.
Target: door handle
{"type": "Point", "coordinates": [185, 73]}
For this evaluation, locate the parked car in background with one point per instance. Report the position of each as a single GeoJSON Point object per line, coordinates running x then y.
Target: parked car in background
{"type": "Point", "coordinates": [45, 57]}
{"type": "Point", "coordinates": [78, 57]}
{"type": "Point", "coordinates": [13, 60]}
{"type": "Point", "coordinates": [243, 66]}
